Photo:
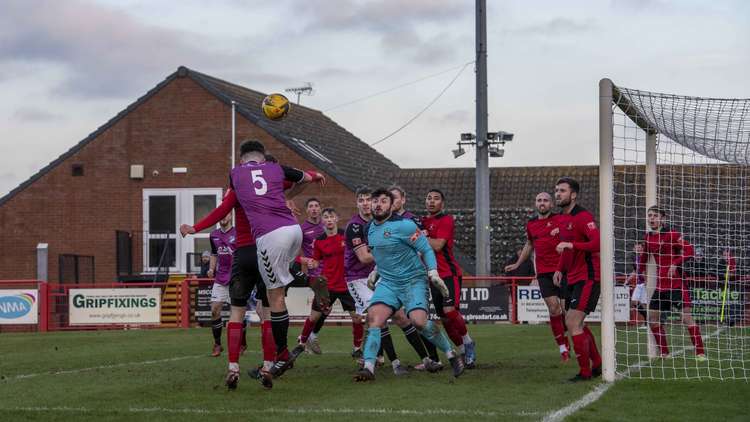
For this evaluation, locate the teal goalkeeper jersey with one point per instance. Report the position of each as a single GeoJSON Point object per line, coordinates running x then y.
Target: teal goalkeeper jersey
{"type": "Point", "coordinates": [395, 244]}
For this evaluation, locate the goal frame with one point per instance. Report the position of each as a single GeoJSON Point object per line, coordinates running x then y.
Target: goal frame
{"type": "Point", "coordinates": [608, 92]}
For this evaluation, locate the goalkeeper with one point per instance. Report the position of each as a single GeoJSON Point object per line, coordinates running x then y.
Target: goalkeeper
{"type": "Point", "coordinates": [396, 243]}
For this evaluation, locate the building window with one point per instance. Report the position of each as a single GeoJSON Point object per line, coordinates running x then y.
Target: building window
{"type": "Point", "coordinates": [163, 212]}
{"type": "Point", "coordinates": [77, 169]}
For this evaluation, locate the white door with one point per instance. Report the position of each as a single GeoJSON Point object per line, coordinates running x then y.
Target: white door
{"type": "Point", "coordinates": [163, 212]}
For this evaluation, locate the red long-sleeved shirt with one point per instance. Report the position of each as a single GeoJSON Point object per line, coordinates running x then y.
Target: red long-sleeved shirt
{"type": "Point", "coordinates": [329, 252]}
{"type": "Point", "coordinates": [668, 248]}
{"type": "Point", "coordinates": [582, 262]}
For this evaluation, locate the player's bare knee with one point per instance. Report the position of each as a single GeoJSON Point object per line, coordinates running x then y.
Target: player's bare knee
{"type": "Point", "coordinates": [237, 314]}
{"type": "Point", "coordinates": [419, 319]}
{"type": "Point", "coordinates": [554, 307]}
{"type": "Point", "coordinates": [216, 309]}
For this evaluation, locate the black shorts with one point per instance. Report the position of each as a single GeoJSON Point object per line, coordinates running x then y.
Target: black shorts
{"type": "Point", "coordinates": [666, 300]}
{"type": "Point", "coordinates": [547, 287]}
{"type": "Point", "coordinates": [245, 276]}
{"type": "Point", "coordinates": [347, 301]}
{"type": "Point", "coordinates": [582, 296]}
{"type": "Point", "coordinates": [454, 289]}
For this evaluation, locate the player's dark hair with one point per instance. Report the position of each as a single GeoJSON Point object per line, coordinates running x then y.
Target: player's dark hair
{"type": "Point", "coordinates": [362, 190]}
{"type": "Point", "coordinates": [382, 191]}
{"type": "Point", "coordinates": [271, 159]}
{"type": "Point", "coordinates": [311, 199]}
{"type": "Point", "coordinates": [435, 190]}
{"type": "Point", "coordinates": [329, 210]}
{"type": "Point", "coordinates": [399, 189]}
{"type": "Point", "coordinates": [657, 209]}
{"type": "Point", "coordinates": [573, 183]}
{"type": "Point", "coordinates": [252, 146]}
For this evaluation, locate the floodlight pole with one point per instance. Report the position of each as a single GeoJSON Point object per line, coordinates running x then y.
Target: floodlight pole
{"type": "Point", "coordinates": [482, 200]}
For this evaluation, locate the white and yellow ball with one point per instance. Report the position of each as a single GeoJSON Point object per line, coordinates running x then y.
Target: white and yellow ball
{"type": "Point", "coordinates": [275, 106]}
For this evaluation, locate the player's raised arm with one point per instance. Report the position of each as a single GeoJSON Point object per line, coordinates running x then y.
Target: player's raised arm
{"type": "Point", "coordinates": [213, 218]}
{"type": "Point", "coordinates": [525, 254]}
{"type": "Point", "coordinates": [355, 239]}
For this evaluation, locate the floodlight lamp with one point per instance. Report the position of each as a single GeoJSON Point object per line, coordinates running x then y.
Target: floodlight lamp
{"type": "Point", "coordinates": [496, 152]}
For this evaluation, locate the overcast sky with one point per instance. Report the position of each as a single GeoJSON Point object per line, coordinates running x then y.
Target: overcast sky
{"type": "Point", "coordinates": [66, 67]}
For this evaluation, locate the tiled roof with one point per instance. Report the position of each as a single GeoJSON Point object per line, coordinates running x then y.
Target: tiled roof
{"type": "Point", "coordinates": [512, 192]}
{"type": "Point", "coordinates": [310, 133]}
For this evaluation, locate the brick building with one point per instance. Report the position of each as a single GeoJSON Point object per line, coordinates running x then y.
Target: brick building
{"type": "Point", "coordinates": [163, 161]}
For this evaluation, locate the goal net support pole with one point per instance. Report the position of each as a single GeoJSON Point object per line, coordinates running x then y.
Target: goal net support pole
{"type": "Point", "coordinates": [606, 222]}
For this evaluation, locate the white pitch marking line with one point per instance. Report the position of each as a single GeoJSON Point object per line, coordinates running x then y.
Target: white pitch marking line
{"type": "Point", "coordinates": [288, 411]}
{"type": "Point", "coordinates": [598, 392]}
{"type": "Point", "coordinates": [121, 365]}
{"type": "Point", "coordinates": [114, 366]}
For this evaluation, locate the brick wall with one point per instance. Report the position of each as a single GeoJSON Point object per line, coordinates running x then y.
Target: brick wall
{"type": "Point", "coordinates": [182, 125]}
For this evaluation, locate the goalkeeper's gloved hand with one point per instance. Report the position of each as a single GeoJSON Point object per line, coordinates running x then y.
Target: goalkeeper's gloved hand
{"type": "Point", "coordinates": [438, 282]}
{"type": "Point", "coordinates": [373, 278]}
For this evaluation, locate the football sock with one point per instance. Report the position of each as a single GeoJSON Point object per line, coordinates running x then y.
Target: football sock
{"type": "Point", "coordinates": [280, 327]}
{"type": "Point", "coordinates": [458, 322]}
{"type": "Point", "coordinates": [558, 329]}
{"type": "Point", "coordinates": [695, 334]}
{"type": "Point", "coordinates": [234, 337]}
{"type": "Point", "coordinates": [306, 330]}
{"type": "Point", "coordinates": [431, 349]}
{"type": "Point", "coordinates": [216, 326]}
{"type": "Point", "coordinates": [596, 359]}
{"type": "Point", "coordinates": [660, 337]}
{"type": "Point", "coordinates": [435, 336]}
{"type": "Point", "coordinates": [372, 345]}
{"type": "Point", "coordinates": [412, 336]}
{"type": "Point", "coordinates": [387, 341]}
{"type": "Point", "coordinates": [581, 345]}
{"type": "Point", "coordinates": [266, 339]}
{"type": "Point", "coordinates": [358, 331]}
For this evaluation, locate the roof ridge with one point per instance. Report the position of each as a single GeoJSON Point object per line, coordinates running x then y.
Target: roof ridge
{"type": "Point", "coordinates": [224, 81]}
{"type": "Point", "coordinates": [91, 136]}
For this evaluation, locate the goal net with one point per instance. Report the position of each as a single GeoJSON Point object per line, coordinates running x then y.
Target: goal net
{"type": "Point", "coordinates": [688, 157]}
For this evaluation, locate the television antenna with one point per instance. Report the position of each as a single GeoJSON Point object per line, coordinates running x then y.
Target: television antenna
{"type": "Point", "coordinates": [307, 89]}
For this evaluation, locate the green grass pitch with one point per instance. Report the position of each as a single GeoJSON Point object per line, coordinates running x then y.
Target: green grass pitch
{"type": "Point", "coordinates": [168, 375]}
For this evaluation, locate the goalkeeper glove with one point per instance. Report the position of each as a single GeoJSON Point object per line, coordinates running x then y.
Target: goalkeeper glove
{"type": "Point", "coordinates": [438, 282]}
{"type": "Point", "coordinates": [373, 278]}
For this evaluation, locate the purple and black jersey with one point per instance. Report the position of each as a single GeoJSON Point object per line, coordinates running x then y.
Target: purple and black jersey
{"type": "Point", "coordinates": [356, 237]}
{"type": "Point", "coordinates": [310, 232]}
{"type": "Point", "coordinates": [416, 219]}
{"type": "Point", "coordinates": [222, 247]}
{"type": "Point", "coordinates": [260, 191]}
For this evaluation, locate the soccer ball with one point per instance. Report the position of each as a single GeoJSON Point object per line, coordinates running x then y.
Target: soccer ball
{"type": "Point", "coordinates": [275, 106]}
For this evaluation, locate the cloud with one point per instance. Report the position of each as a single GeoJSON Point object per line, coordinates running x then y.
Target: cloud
{"type": "Point", "coordinates": [105, 52]}
{"type": "Point", "coordinates": [455, 117]}
{"type": "Point", "coordinates": [33, 114]}
{"type": "Point", "coordinates": [8, 177]}
{"type": "Point", "coordinates": [396, 23]}
{"type": "Point", "coordinates": [382, 15]}
{"type": "Point", "coordinates": [557, 27]}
